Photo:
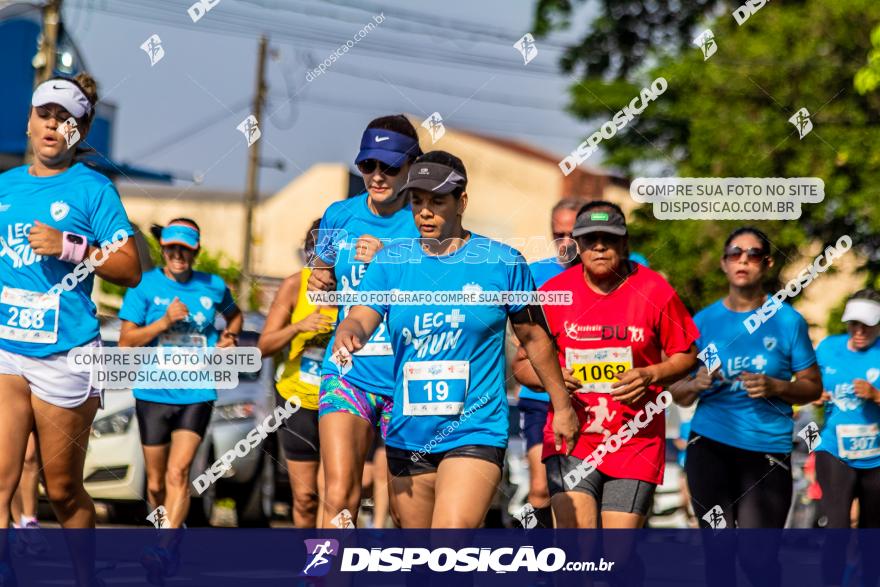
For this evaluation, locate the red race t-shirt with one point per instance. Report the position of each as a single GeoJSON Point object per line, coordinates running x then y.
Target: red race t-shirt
{"type": "Point", "coordinates": [602, 335]}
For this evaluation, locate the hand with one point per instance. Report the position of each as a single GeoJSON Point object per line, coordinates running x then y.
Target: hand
{"type": "Point", "coordinates": [632, 385]}
{"type": "Point", "coordinates": [571, 383]}
{"type": "Point", "coordinates": [176, 312]}
{"type": "Point", "coordinates": [865, 390]}
{"type": "Point", "coordinates": [565, 429]}
{"type": "Point", "coordinates": [703, 380]}
{"type": "Point", "coordinates": [315, 322]}
{"type": "Point", "coordinates": [45, 240]}
{"type": "Point", "coordinates": [825, 397]}
{"type": "Point", "coordinates": [322, 279]}
{"type": "Point", "coordinates": [345, 339]}
{"type": "Point", "coordinates": [366, 247]}
{"type": "Point", "coordinates": [227, 339]}
{"type": "Point", "coordinates": [758, 385]}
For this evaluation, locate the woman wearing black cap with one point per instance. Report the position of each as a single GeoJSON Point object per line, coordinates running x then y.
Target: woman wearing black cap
{"type": "Point", "coordinates": [449, 426]}
{"type": "Point", "coordinates": [612, 339]}
{"type": "Point", "coordinates": [354, 403]}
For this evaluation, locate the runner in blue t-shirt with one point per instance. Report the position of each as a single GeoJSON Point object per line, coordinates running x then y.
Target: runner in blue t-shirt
{"type": "Point", "coordinates": [738, 456]}
{"type": "Point", "coordinates": [175, 306]}
{"type": "Point", "coordinates": [353, 404]}
{"type": "Point", "coordinates": [449, 425]}
{"type": "Point", "coordinates": [848, 452]}
{"type": "Point", "coordinates": [60, 223]}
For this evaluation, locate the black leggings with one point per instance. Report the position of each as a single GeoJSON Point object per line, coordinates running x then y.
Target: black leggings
{"type": "Point", "coordinates": [841, 484]}
{"type": "Point", "coordinates": [753, 490]}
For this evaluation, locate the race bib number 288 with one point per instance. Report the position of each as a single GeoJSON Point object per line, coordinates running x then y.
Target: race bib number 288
{"type": "Point", "coordinates": [28, 316]}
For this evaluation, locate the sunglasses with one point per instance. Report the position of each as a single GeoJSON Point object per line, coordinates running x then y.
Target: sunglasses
{"type": "Point", "coordinates": [368, 166]}
{"type": "Point", "coordinates": [754, 254]}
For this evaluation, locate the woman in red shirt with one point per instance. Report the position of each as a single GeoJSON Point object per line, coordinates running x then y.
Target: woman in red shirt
{"type": "Point", "coordinates": [625, 335]}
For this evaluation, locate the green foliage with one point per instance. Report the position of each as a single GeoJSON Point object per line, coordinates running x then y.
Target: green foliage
{"type": "Point", "coordinates": [868, 78]}
{"type": "Point", "coordinates": [728, 117]}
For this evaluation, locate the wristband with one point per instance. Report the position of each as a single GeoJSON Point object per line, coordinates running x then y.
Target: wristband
{"type": "Point", "coordinates": [73, 247]}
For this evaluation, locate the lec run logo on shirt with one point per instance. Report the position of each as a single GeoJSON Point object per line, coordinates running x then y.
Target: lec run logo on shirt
{"type": "Point", "coordinates": [15, 246]}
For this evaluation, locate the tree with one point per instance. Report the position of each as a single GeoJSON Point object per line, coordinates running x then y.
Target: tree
{"type": "Point", "coordinates": [728, 117]}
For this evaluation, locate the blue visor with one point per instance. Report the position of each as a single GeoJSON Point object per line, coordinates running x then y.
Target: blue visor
{"type": "Point", "coordinates": [389, 147]}
{"type": "Point", "coordinates": [179, 234]}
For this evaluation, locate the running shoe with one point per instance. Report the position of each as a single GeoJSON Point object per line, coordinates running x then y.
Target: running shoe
{"type": "Point", "coordinates": [33, 541]}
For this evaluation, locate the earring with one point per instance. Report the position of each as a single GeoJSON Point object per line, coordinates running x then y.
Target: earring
{"type": "Point", "coordinates": [28, 133]}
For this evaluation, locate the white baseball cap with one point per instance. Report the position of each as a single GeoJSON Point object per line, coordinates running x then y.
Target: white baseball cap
{"type": "Point", "coordinates": [865, 311]}
{"type": "Point", "coordinates": [64, 93]}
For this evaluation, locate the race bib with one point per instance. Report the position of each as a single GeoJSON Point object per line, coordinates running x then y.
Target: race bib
{"type": "Point", "coordinates": [28, 316]}
{"type": "Point", "coordinates": [857, 441]}
{"type": "Point", "coordinates": [310, 365]}
{"type": "Point", "coordinates": [182, 339]}
{"type": "Point", "coordinates": [597, 369]}
{"type": "Point", "coordinates": [435, 388]}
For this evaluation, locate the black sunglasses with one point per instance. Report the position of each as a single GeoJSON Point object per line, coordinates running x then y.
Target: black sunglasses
{"type": "Point", "coordinates": [754, 254]}
{"type": "Point", "coordinates": [369, 166]}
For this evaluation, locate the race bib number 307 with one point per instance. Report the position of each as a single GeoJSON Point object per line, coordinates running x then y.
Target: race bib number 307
{"type": "Point", "coordinates": [858, 441]}
{"type": "Point", "coordinates": [597, 369]}
{"type": "Point", "coordinates": [28, 316]}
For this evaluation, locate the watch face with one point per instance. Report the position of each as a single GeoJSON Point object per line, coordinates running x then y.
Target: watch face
{"type": "Point", "coordinates": [75, 239]}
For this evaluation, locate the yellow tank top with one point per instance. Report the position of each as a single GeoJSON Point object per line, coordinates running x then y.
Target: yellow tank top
{"type": "Point", "coordinates": [301, 375]}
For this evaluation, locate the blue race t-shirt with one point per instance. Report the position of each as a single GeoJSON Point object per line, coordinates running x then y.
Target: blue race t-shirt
{"type": "Point", "coordinates": [542, 271]}
{"type": "Point", "coordinates": [449, 386]}
{"type": "Point", "coordinates": [78, 200]}
{"type": "Point", "coordinates": [780, 347]}
{"type": "Point", "coordinates": [851, 423]}
{"type": "Point", "coordinates": [205, 295]}
{"type": "Point", "coordinates": [341, 226]}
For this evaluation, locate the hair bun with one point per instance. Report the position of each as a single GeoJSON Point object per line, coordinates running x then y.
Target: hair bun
{"type": "Point", "coordinates": [89, 86]}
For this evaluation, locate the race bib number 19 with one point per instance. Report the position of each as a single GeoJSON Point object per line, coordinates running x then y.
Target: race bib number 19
{"type": "Point", "coordinates": [597, 369]}
{"type": "Point", "coordinates": [435, 388]}
{"type": "Point", "coordinates": [28, 316]}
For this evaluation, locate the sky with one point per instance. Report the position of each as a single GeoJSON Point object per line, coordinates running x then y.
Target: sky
{"type": "Point", "coordinates": [455, 57]}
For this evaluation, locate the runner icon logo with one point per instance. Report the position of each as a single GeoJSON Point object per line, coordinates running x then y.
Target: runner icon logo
{"type": "Point", "coordinates": [68, 130]}
{"type": "Point", "coordinates": [250, 130]}
{"type": "Point", "coordinates": [801, 121]}
{"type": "Point", "coordinates": [706, 42]}
{"type": "Point", "coordinates": [715, 518]}
{"type": "Point", "coordinates": [343, 520]}
{"type": "Point", "coordinates": [154, 50]}
{"type": "Point", "coordinates": [158, 517]}
{"type": "Point", "coordinates": [320, 553]}
{"type": "Point", "coordinates": [434, 125]}
{"type": "Point", "coordinates": [810, 434]}
{"type": "Point", "coordinates": [710, 357]}
{"type": "Point", "coordinates": [526, 516]}
{"type": "Point", "coordinates": [526, 47]}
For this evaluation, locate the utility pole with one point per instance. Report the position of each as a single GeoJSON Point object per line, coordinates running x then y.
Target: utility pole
{"type": "Point", "coordinates": [44, 61]}
{"type": "Point", "coordinates": [250, 197]}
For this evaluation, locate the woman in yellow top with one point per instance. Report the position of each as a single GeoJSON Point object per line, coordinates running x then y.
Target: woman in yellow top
{"type": "Point", "coordinates": [306, 328]}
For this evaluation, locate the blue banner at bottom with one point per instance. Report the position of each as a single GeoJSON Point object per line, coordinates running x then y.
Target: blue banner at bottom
{"type": "Point", "coordinates": [220, 557]}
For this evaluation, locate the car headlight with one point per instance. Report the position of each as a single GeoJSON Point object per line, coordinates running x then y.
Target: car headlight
{"type": "Point", "coordinates": [117, 423]}
{"type": "Point", "coordinates": [236, 411]}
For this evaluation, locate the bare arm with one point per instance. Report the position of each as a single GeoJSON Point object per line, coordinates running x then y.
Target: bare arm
{"type": "Point", "coordinates": [278, 330]}
{"type": "Point", "coordinates": [122, 267]}
{"type": "Point", "coordinates": [234, 324]}
{"type": "Point", "coordinates": [356, 329]}
{"type": "Point", "coordinates": [632, 385]}
{"type": "Point", "coordinates": [804, 388]}
{"type": "Point", "coordinates": [133, 335]}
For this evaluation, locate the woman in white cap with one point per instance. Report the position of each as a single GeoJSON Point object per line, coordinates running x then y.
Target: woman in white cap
{"type": "Point", "coordinates": [848, 454]}
{"type": "Point", "coordinates": [56, 214]}
{"type": "Point", "coordinates": [175, 306]}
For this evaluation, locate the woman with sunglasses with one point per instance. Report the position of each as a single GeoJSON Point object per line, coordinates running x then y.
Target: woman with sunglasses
{"type": "Point", "coordinates": [738, 455]}
{"type": "Point", "coordinates": [848, 456]}
{"type": "Point", "coordinates": [56, 214]}
{"type": "Point", "coordinates": [449, 426]}
{"type": "Point", "coordinates": [624, 336]}
{"type": "Point", "coordinates": [295, 321]}
{"type": "Point", "coordinates": [175, 306]}
{"type": "Point", "coordinates": [355, 402]}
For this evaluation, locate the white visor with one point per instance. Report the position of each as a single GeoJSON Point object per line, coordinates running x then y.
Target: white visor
{"type": "Point", "coordinates": [64, 93]}
{"type": "Point", "coordinates": [865, 311]}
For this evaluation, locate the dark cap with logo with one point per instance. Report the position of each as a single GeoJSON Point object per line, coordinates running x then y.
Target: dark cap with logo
{"type": "Point", "coordinates": [605, 220]}
{"type": "Point", "coordinates": [434, 177]}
